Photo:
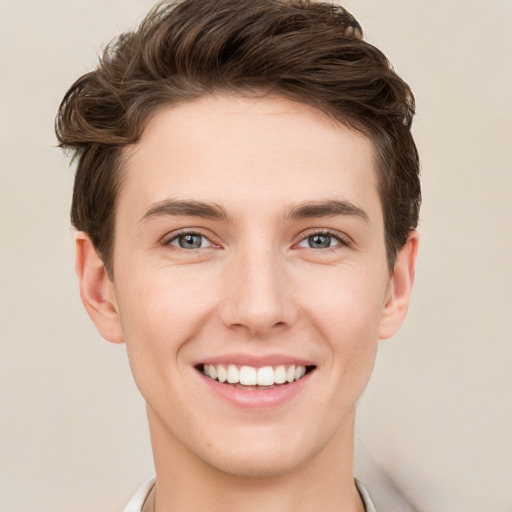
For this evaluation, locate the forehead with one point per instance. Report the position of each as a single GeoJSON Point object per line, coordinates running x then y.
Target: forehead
{"type": "Point", "coordinates": [245, 151]}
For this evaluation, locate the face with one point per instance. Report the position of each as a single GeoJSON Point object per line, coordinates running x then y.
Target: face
{"type": "Point", "coordinates": [250, 280]}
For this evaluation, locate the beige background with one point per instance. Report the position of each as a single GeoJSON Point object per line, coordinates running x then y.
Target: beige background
{"type": "Point", "coordinates": [437, 416]}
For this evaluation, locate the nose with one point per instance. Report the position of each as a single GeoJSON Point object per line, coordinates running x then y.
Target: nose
{"type": "Point", "coordinates": [258, 294]}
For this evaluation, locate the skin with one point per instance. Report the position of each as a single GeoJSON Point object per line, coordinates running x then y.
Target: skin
{"type": "Point", "coordinates": [255, 287]}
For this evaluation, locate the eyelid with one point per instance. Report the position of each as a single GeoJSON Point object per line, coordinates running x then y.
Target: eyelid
{"type": "Point", "coordinates": [342, 238]}
{"type": "Point", "coordinates": [170, 237]}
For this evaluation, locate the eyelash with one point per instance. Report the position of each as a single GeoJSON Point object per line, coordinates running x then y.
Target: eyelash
{"type": "Point", "coordinates": [342, 240]}
{"type": "Point", "coordinates": [175, 236]}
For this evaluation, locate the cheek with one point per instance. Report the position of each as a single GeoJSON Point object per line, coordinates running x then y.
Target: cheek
{"type": "Point", "coordinates": [346, 311]}
{"type": "Point", "coordinates": [347, 303]}
{"type": "Point", "coordinates": [159, 314]}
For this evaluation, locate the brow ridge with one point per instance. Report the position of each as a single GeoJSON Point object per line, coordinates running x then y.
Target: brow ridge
{"type": "Point", "coordinates": [185, 208]}
{"type": "Point", "coordinates": [329, 208]}
{"type": "Point", "coordinates": [304, 210]}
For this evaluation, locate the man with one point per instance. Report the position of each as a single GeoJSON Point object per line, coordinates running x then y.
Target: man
{"type": "Point", "coordinates": [246, 201]}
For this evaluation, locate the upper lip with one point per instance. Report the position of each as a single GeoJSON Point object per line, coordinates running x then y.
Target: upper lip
{"type": "Point", "coordinates": [256, 361]}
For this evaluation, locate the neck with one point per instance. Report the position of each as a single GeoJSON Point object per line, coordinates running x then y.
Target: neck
{"type": "Point", "coordinates": [185, 482]}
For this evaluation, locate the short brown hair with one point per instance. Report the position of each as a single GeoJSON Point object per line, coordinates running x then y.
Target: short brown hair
{"type": "Point", "coordinates": [303, 50]}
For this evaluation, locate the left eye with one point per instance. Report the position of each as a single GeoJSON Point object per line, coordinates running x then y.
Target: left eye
{"type": "Point", "coordinates": [319, 241]}
{"type": "Point", "coordinates": [190, 241]}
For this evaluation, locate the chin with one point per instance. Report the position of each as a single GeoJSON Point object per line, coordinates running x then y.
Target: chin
{"type": "Point", "coordinates": [265, 458]}
{"type": "Point", "coordinates": [259, 465]}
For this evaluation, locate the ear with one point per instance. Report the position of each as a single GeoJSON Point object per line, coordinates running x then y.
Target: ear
{"type": "Point", "coordinates": [400, 287]}
{"type": "Point", "coordinates": [97, 290]}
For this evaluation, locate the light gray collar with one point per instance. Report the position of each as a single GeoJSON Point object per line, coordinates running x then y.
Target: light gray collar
{"type": "Point", "coordinates": [367, 501]}
{"type": "Point", "coordinates": [138, 500]}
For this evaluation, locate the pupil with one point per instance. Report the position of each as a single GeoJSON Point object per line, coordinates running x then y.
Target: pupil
{"type": "Point", "coordinates": [190, 241]}
{"type": "Point", "coordinates": [320, 241]}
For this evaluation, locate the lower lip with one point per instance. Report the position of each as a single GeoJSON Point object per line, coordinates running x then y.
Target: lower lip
{"type": "Point", "coordinates": [260, 398]}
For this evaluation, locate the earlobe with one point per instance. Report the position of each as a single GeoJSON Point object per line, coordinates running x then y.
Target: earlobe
{"type": "Point", "coordinates": [401, 283]}
{"type": "Point", "coordinates": [97, 290]}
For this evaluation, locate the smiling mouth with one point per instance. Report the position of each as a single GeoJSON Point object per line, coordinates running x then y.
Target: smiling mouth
{"type": "Point", "coordinates": [249, 377]}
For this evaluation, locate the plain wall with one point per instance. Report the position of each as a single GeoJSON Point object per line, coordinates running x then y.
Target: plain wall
{"type": "Point", "coordinates": [437, 415]}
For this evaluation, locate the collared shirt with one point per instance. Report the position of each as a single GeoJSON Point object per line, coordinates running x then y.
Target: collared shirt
{"type": "Point", "coordinates": [138, 500]}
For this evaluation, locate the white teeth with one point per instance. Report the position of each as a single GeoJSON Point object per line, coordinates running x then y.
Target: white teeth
{"type": "Point", "coordinates": [280, 375]}
{"type": "Point", "coordinates": [250, 376]}
{"type": "Point", "coordinates": [266, 376]}
{"type": "Point", "coordinates": [299, 372]}
{"type": "Point", "coordinates": [222, 374]}
{"type": "Point", "coordinates": [233, 375]}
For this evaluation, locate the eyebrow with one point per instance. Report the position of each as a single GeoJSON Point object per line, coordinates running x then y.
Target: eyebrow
{"type": "Point", "coordinates": [182, 208]}
{"type": "Point", "coordinates": [331, 208]}
{"type": "Point", "coordinates": [304, 210]}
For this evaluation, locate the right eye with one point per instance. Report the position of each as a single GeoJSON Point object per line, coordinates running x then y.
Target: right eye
{"type": "Point", "coordinates": [189, 241]}
{"type": "Point", "coordinates": [319, 241]}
